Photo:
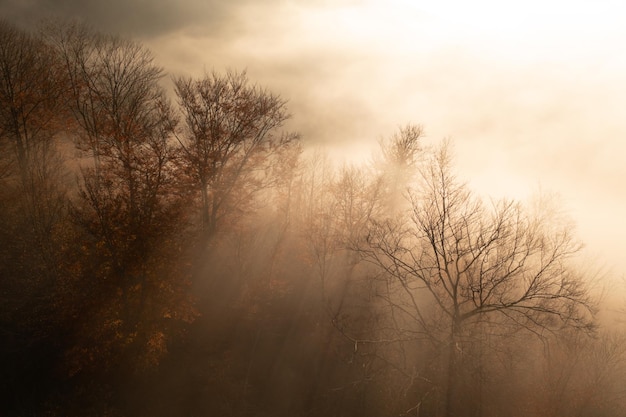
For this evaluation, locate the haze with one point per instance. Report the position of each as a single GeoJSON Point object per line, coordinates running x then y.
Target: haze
{"type": "Point", "coordinates": [531, 93]}
{"type": "Point", "coordinates": [287, 310]}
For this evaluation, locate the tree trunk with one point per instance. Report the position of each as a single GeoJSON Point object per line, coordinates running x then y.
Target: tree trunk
{"type": "Point", "coordinates": [451, 388]}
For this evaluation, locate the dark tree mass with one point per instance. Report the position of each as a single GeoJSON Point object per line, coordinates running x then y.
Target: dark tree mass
{"type": "Point", "coordinates": [185, 255]}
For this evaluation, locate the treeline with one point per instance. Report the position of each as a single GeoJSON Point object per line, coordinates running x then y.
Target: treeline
{"type": "Point", "coordinates": [164, 256]}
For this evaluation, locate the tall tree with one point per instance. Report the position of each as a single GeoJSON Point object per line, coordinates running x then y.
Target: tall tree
{"type": "Point", "coordinates": [30, 167]}
{"type": "Point", "coordinates": [229, 139]}
{"type": "Point", "coordinates": [33, 212]}
{"type": "Point", "coordinates": [129, 204]}
{"type": "Point", "coordinates": [32, 87]}
{"type": "Point", "coordinates": [457, 264]}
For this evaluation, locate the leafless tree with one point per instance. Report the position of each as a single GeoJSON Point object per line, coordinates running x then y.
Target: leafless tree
{"type": "Point", "coordinates": [582, 376]}
{"type": "Point", "coordinates": [457, 263]}
{"type": "Point", "coordinates": [397, 162]}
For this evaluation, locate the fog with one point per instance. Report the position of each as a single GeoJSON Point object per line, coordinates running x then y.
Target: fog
{"type": "Point", "coordinates": [287, 279]}
{"type": "Point", "coordinates": [530, 93]}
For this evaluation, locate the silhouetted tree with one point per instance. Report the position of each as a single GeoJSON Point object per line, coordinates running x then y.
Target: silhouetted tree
{"type": "Point", "coordinates": [35, 281]}
{"type": "Point", "coordinates": [457, 263]}
{"type": "Point", "coordinates": [32, 89]}
{"type": "Point", "coordinates": [129, 205]}
{"type": "Point", "coordinates": [229, 139]}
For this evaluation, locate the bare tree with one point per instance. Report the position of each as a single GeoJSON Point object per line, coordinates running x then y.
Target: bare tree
{"type": "Point", "coordinates": [397, 162]}
{"type": "Point", "coordinates": [229, 138]}
{"type": "Point", "coordinates": [458, 263]}
{"type": "Point", "coordinates": [337, 205]}
{"type": "Point", "coordinates": [403, 149]}
{"type": "Point", "coordinates": [582, 376]}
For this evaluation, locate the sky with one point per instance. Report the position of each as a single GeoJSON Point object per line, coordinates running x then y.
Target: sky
{"type": "Point", "coordinates": [531, 94]}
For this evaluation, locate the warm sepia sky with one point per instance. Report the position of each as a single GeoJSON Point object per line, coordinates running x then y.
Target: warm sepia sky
{"type": "Point", "coordinates": [532, 93]}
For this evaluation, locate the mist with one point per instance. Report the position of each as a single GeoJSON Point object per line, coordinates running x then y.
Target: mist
{"type": "Point", "coordinates": [308, 209]}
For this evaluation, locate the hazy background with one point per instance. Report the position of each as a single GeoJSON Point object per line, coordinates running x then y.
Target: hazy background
{"type": "Point", "coordinates": [531, 94]}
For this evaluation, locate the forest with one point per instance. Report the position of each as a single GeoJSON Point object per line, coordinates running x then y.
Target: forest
{"type": "Point", "coordinates": [169, 248]}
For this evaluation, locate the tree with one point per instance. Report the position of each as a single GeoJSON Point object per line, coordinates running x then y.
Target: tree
{"type": "Point", "coordinates": [397, 163]}
{"type": "Point", "coordinates": [228, 140]}
{"type": "Point", "coordinates": [457, 265]}
{"type": "Point", "coordinates": [129, 205]}
{"type": "Point", "coordinates": [35, 284]}
{"type": "Point", "coordinates": [31, 89]}
{"type": "Point", "coordinates": [583, 376]}
{"type": "Point", "coordinates": [336, 206]}
{"type": "Point", "coordinates": [31, 114]}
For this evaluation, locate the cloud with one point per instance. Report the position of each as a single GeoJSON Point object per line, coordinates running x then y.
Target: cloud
{"type": "Point", "coordinates": [136, 18]}
{"type": "Point", "coordinates": [144, 19]}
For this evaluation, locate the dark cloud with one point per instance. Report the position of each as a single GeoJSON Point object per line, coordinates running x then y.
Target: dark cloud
{"type": "Point", "coordinates": [148, 18]}
{"type": "Point", "coordinates": [137, 18]}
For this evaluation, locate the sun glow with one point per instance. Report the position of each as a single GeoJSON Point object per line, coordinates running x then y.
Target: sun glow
{"type": "Point", "coordinates": [545, 30]}
{"type": "Point", "coordinates": [522, 88]}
